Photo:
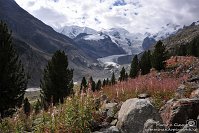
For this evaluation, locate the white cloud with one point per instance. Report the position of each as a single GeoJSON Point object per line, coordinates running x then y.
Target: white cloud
{"type": "Point", "coordinates": [133, 15]}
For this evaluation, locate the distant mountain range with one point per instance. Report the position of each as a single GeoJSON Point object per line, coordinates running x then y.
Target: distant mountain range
{"type": "Point", "coordinates": [131, 43]}
{"type": "Point", "coordinates": [90, 52]}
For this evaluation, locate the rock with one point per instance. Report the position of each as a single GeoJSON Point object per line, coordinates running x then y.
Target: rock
{"type": "Point", "coordinates": [187, 129]}
{"type": "Point", "coordinates": [109, 108]}
{"type": "Point", "coordinates": [143, 96]}
{"type": "Point", "coordinates": [114, 122]}
{"type": "Point", "coordinates": [195, 94]}
{"type": "Point", "coordinates": [134, 113]}
{"type": "Point", "coordinates": [103, 98]}
{"type": "Point", "coordinates": [151, 126]}
{"type": "Point", "coordinates": [194, 79]}
{"type": "Point", "coordinates": [180, 92]}
{"type": "Point", "coordinates": [112, 129]}
{"type": "Point", "coordinates": [179, 112]}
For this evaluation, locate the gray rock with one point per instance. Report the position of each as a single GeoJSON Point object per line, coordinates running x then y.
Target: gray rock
{"type": "Point", "coordinates": [151, 126]}
{"type": "Point", "coordinates": [112, 129]}
{"type": "Point", "coordinates": [114, 122]}
{"type": "Point", "coordinates": [194, 79]}
{"type": "Point", "coordinates": [180, 92]}
{"type": "Point", "coordinates": [195, 94]}
{"type": "Point", "coordinates": [109, 109]}
{"type": "Point", "coordinates": [179, 111]}
{"type": "Point", "coordinates": [187, 129]}
{"type": "Point", "coordinates": [143, 96]}
{"type": "Point", "coordinates": [134, 113]}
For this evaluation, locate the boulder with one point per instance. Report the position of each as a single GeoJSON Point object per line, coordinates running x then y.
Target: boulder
{"type": "Point", "coordinates": [195, 94]}
{"type": "Point", "coordinates": [176, 113]}
{"type": "Point", "coordinates": [134, 113]}
{"type": "Point", "coordinates": [151, 126]}
{"type": "Point", "coordinates": [112, 129]}
{"type": "Point", "coordinates": [187, 129]}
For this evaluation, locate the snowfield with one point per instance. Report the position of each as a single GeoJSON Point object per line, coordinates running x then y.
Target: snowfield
{"type": "Point", "coordinates": [94, 37]}
{"type": "Point", "coordinates": [110, 60]}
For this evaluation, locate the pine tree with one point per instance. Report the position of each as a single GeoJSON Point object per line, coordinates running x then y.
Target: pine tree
{"type": "Point", "coordinates": [92, 83]}
{"type": "Point", "coordinates": [122, 74]}
{"type": "Point", "coordinates": [145, 63]}
{"type": "Point", "coordinates": [104, 83]}
{"type": "Point", "coordinates": [113, 80]}
{"type": "Point", "coordinates": [159, 56]}
{"type": "Point", "coordinates": [93, 86]}
{"type": "Point", "coordinates": [26, 106]}
{"type": "Point", "coordinates": [98, 85]}
{"type": "Point", "coordinates": [182, 50]}
{"type": "Point", "coordinates": [134, 67]}
{"type": "Point", "coordinates": [126, 76]}
{"type": "Point", "coordinates": [83, 85]}
{"type": "Point", "coordinates": [107, 81]}
{"type": "Point", "coordinates": [13, 80]}
{"type": "Point", "coordinates": [57, 81]}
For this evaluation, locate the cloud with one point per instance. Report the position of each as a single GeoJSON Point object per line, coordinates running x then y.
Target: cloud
{"type": "Point", "coordinates": [133, 15]}
{"type": "Point", "coordinates": [50, 16]}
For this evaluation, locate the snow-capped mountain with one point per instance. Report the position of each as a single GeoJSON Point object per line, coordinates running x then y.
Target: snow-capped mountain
{"type": "Point", "coordinates": [73, 31]}
{"type": "Point", "coordinates": [166, 31]}
{"type": "Point", "coordinates": [130, 42]}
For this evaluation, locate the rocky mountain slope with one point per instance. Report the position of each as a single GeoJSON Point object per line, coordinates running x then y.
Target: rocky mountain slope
{"type": "Point", "coordinates": [183, 36]}
{"type": "Point", "coordinates": [97, 45]}
{"type": "Point", "coordinates": [37, 41]}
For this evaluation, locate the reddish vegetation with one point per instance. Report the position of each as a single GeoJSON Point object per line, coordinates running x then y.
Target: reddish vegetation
{"type": "Point", "coordinates": [160, 85]}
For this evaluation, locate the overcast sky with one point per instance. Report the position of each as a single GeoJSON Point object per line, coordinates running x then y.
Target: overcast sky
{"type": "Point", "coordinates": [133, 15]}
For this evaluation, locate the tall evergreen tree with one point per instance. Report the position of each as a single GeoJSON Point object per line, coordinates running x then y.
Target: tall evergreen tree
{"type": "Point", "coordinates": [13, 80]}
{"type": "Point", "coordinates": [104, 83]}
{"type": "Point", "coordinates": [134, 67]}
{"type": "Point", "coordinates": [159, 56]}
{"type": "Point", "coordinates": [193, 48]}
{"type": "Point", "coordinates": [107, 81]}
{"type": "Point", "coordinates": [145, 63]}
{"type": "Point", "coordinates": [98, 85]}
{"type": "Point", "coordinates": [122, 74]}
{"type": "Point", "coordinates": [93, 86]}
{"type": "Point", "coordinates": [126, 76]}
{"type": "Point", "coordinates": [83, 85]}
{"type": "Point", "coordinates": [113, 80]}
{"type": "Point", "coordinates": [182, 50]}
{"type": "Point", "coordinates": [26, 106]}
{"type": "Point", "coordinates": [57, 81]}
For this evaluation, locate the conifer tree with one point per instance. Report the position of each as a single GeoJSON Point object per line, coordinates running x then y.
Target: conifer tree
{"type": "Point", "coordinates": [134, 67]}
{"type": "Point", "coordinates": [57, 82]}
{"type": "Point", "coordinates": [122, 74]}
{"type": "Point", "coordinates": [93, 86]}
{"type": "Point", "coordinates": [13, 80]}
{"type": "Point", "coordinates": [126, 76]}
{"type": "Point", "coordinates": [113, 80]}
{"type": "Point", "coordinates": [98, 85]}
{"type": "Point", "coordinates": [159, 56]}
{"type": "Point", "coordinates": [145, 63]}
{"type": "Point", "coordinates": [107, 81]}
{"type": "Point", "coordinates": [26, 106]}
{"type": "Point", "coordinates": [182, 50]}
{"type": "Point", "coordinates": [104, 83]}
{"type": "Point", "coordinates": [83, 85]}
